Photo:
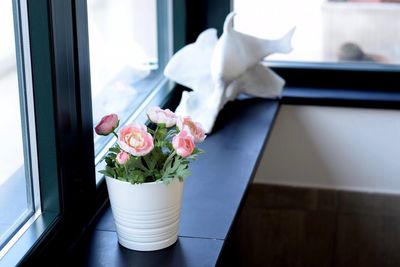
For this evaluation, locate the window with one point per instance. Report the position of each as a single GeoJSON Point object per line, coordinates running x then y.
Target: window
{"type": "Point", "coordinates": [47, 95]}
{"type": "Point", "coordinates": [19, 201]}
{"type": "Point", "coordinates": [364, 33]}
{"type": "Point", "coordinates": [123, 52]}
{"type": "Point", "coordinates": [129, 43]}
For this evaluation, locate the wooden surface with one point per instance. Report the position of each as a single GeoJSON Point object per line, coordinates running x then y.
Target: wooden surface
{"type": "Point", "coordinates": [283, 226]}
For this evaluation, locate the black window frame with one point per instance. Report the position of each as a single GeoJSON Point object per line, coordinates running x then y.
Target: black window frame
{"type": "Point", "coordinates": [63, 136]}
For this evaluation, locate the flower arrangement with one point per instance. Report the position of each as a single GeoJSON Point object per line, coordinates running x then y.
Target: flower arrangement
{"type": "Point", "coordinates": [160, 153]}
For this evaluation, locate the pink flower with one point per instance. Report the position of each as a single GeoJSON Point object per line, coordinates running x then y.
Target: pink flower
{"type": "Point", "coordinates": [122, 157]}
{"type": "Point", "coordinates": [107, 124]}
{"type": "Point", "coordinates": [193, 127]}
{"type": "Point", "coordinates": [158, 115]}
{"type": "Point", "coordinates": [135, 140]}
{"type": "Point", "coordinates": [183, 143]}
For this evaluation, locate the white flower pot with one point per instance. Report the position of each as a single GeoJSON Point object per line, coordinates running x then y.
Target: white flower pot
{"type": "Point", "coordinates": [146, 215]}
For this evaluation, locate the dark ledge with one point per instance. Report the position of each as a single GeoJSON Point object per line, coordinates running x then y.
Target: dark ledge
{"type": "Point", "coordinates": [212, 196]}
{"type": "Point", "coordinates": [363, 98]}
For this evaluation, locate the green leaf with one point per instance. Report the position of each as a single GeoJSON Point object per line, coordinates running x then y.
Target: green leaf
{"type": "Point", "coordinates": [109, 161]}
{"type": "Point", "coordinates": [151, 161]}
{"type": "Point", "coordinates": [106, 173]}
{"type": "Point", "coordinates": [114, 149]}
{"type": "Point", "coordinates": [161, 132]}
{"type": "Point", "coordinates": [183, 171]}
{"type": "Point", "coordinates": [169, 146]}
{"type": "Point", "coordinates": [111, 172]}
{"type": "Point", "coordinates": [197, 151]}
{"type": "Point", "coordinates": [176, 168]}
{"type": "Point", "coordinates": [136, 177]}
{"type": "Point", "coordinates": [167, 181]}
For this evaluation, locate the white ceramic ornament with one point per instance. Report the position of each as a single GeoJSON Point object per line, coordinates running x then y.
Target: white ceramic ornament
{"type": "Point", "coordinates": [218, 70]}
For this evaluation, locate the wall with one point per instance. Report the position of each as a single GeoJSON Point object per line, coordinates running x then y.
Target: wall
{"type": "Point", "coordinates": [330, 147]}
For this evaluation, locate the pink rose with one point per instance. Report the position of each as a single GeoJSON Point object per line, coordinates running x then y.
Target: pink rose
{"type": "Point", "coordinates": [183, 143]}
{"type": "Point", "coordinates": [135, 140]}
{"type": "Point", "coordinates": [194, 128]}
{"type": "Point", "coordinates": [107, 124]}
{"type": "Point", "coordinates": [158, 115]}
{"type": "Point", "coordinates": [122, 157]}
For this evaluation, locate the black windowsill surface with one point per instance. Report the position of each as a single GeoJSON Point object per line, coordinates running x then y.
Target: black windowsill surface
{"type": "Point", "coordinates": [212, 195]}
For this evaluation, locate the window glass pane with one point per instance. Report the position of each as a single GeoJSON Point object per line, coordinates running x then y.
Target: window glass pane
{"type": "Point", "coordinates": [16, 200]}
{"type": "Point", "coordinates": [333, 31]}
{"type": "Point", "coordinates": [124, 57]}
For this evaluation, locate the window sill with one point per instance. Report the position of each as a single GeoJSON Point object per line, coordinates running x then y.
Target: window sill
{"type": "Point", "coordinates": [32, 227]}
{"type": "Point", "coordinates": [212, 196]}
{"type": "Point", "coordinates": [29, 238]}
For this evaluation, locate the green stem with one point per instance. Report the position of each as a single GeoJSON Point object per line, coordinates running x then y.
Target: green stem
{"type": "Point", "coordinates": [116, 135]}
{"type": "Point", "coordinates": [141, 166]}
{"type": "Point", "coordinates": [155, 135]}
{"type": "Point", "coordinates": [126, 169]}
{"type": "Point", "coordinates": [169, 159]}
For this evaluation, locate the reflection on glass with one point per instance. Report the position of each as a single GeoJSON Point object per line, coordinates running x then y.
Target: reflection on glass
{"type": "Point", "coordinates": [356, 31]}
{"type": "Point", "coordinates": [123, 56]}
{"type": "Point", "coordinates": [15, 194]}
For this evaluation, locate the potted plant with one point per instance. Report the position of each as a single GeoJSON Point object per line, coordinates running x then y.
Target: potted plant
{"type": "Point", "coordinates": [145, 171]}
